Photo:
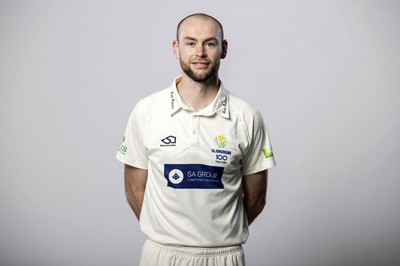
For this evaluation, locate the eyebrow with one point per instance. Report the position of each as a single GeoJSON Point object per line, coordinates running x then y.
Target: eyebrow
{"type": "Point", "coordinates": [194, 39]}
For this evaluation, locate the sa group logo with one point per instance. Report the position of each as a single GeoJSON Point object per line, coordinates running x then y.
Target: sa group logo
{"type": "Point", "coordinates": [193, 176]}
{"type": "Point", "coordinates": [168, 141]}
{"type": "Point", "coordinates": [175, 176]}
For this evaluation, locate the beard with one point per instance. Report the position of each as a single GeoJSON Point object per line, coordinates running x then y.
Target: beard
{"type": "Point", "coordinates": [203, 77]}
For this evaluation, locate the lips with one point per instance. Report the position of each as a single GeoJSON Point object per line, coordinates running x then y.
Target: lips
{"type": "Point", "coordinates": [201, 64]}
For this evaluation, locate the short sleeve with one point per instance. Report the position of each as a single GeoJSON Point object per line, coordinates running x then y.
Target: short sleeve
{"type": "Point", "coordinates": [132, 150]}
{"type": "Point", "coordinates": [258, 156]}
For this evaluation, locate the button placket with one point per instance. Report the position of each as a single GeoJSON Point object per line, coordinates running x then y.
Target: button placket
{"type": "Point", "coordinates": [195, 131]}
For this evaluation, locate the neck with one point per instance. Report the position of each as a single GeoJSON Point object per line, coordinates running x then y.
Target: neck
{"type": "Point", "coordinates": [197, 95]}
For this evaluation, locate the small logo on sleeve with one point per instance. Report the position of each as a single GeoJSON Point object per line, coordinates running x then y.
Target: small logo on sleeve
{"type": "Point", "coordinates": [193, 176]}
{"type": "Point", "coordinates": [123, 148]}
{"type": "Point", "coordinates": [267, 153]}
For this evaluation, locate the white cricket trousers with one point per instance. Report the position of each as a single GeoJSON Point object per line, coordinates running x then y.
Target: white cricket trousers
{"type": "Point", "coordinates": [155, 254]}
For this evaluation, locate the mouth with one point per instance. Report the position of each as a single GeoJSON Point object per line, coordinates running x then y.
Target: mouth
{"type": "Point", "coordinates": [201, 64]}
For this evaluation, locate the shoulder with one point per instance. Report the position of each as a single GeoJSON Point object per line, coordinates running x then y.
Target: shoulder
{"type": "Point", "coordinates": [241, 108]}
{"type": "Point", "coordinates": [159, 99]}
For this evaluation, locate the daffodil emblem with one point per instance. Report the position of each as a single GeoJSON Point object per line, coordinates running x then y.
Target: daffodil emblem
{"type": "Point", "coordinates": [220, 141]}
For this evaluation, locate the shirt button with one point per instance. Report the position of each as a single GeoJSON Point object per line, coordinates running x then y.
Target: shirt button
{"type": "Point", "coordinates": [194, 131]}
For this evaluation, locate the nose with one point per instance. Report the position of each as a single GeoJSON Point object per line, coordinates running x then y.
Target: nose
{"type": "Point", "coordinates": [200, 51]}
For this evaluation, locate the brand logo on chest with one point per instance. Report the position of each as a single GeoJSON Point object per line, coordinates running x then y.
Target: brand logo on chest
{"type": "Point", "coordinates": [168, 141]}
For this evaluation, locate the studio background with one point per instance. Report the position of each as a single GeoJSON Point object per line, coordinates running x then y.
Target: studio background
{"type": "Point", "coordinates": [324, 74]}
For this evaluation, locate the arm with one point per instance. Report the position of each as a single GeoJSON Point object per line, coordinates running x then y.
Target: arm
{"type": "Point", "coordinates": [135, 184]}
{"type": "Point", "coordinates": [254, 194]}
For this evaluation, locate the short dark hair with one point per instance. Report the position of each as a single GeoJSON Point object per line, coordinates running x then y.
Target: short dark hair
{"type": "Point", "coordinates": [199, 15]}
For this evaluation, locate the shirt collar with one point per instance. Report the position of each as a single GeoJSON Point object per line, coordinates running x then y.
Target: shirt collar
{"type": "Point", "coordinates": [220, 104]}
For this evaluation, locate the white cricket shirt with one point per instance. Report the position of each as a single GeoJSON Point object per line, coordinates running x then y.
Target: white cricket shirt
{"type": "Point", "coordinates": [195, 162]}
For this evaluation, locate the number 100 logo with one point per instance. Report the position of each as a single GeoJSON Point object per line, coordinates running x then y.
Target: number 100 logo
{"type": "Point", "coordinates": [221, 157]}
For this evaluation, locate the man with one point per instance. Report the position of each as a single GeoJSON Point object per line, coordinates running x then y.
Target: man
{"type": "Point", "coordinates": [196, 159]}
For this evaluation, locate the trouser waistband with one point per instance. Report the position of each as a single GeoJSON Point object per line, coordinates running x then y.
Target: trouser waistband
{"type": "Point", "coordinates": [197, 251]}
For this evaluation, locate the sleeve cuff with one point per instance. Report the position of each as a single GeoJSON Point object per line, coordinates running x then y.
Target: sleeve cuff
{"type": "Point", "coordinates": [258, 168]}
{"type": "Point", "coordinates": [129, 161]}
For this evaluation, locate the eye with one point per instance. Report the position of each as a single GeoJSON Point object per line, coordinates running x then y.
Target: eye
{"type": "Point", "coordinates": [211, 44]}
{"type": "Point", "coordinates": [190, 44]}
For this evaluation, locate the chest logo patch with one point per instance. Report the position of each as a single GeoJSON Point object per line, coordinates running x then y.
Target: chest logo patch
{"type": "Point", "coordinates": [193, 176]}
{"type": "Point", "coordinates": [168, 141]}
{"type": "Point", "coordinates": [220, 141]}
{"type": "Point", "coordinates": [221, 156]}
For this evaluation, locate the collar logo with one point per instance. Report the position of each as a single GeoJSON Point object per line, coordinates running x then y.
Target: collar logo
{"type": "Point", "coordinates": [224, 106]}
{"type": "Point", "coordinates": [172, 100]}
{"type": "Point", "coordinates": [220, 141]}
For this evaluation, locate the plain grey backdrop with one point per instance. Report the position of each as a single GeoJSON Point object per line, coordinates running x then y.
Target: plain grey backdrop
{"type": "Point", "coordinates": [324, 74]}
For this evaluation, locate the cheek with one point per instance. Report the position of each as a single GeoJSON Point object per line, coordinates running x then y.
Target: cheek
{"type": "Point", "coordinates": [184, 57]}
{"type": "Point", "coordinates": [176, 52]}
{"type": "Point", "coordinates": [180, 53]}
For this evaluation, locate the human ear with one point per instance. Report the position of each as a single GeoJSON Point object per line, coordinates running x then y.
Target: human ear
{"type": "Point", "coordinates": [175, 47]}
{"type": "Point", "coordinates": [224, 49]}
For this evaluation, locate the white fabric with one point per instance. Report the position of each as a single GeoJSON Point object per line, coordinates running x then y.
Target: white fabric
{"type": "Point", "coordinates": [195, 163]}
{"type": "Point", "coordinates": [161, 255]}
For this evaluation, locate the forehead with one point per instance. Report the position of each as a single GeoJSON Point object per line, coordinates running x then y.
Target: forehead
{"type": "Point", "coordinates": [200, 27]}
